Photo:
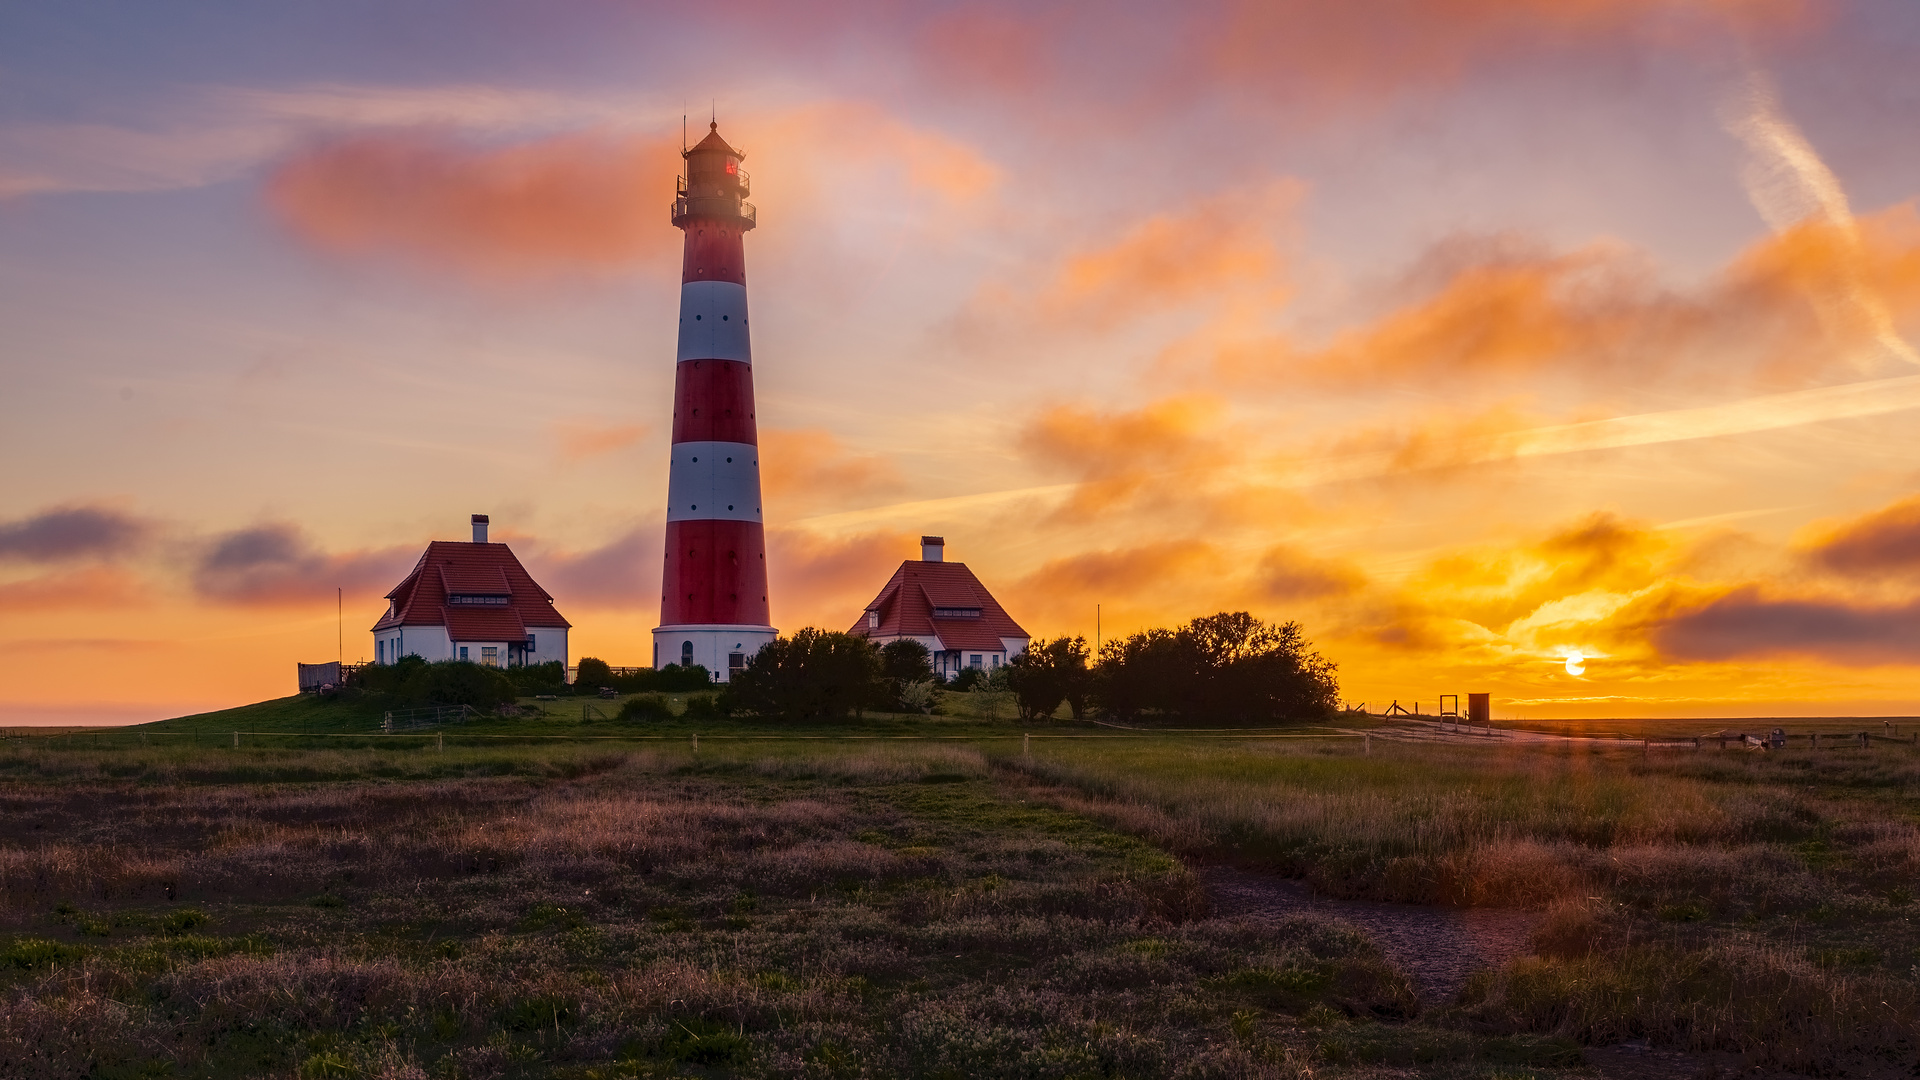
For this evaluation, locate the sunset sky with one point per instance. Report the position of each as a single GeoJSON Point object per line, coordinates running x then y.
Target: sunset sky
{"type": "Point", "coordinates": [1471, 334]}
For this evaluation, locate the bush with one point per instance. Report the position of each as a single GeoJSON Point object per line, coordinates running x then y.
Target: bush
{"type": "Point", "coordinates": [547, 678]}
{"type": "Point", "coordinates": [668, 680]}
{"type": "Point", "coordinates": [413, 679]}
{"type": "Point", "coordinates": [591, 675]}
{"type": "Point", "coordinates": [710, 706]}
{"type": "Point", "coordinates": [814, 673]}
{"type": "Point", "coordinates": [647, 707]}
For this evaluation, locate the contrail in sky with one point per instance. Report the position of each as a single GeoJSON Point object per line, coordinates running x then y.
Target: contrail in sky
{"type": "Point", "coordinates": [1791, 186]}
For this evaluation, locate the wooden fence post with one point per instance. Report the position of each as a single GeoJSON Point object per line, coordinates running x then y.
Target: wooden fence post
{"type": "Point", "coordinates": [236, 740]}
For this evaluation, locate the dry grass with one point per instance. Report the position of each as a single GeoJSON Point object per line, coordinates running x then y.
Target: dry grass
{"type": "Point", "coordinates": [882, 913]}
{"type": "Point", "coordinates": [1759, 905]}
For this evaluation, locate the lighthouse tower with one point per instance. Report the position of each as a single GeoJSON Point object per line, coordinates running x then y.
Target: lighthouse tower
{"type": "Point", "coordinates": [713, 596]}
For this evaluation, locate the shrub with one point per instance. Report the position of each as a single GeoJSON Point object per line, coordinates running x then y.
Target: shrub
{"type": "Point", "coordinates": [710, 706]}
{"type": "Point", "coordinates": [547, 678]}
{"type": "Point", "coordinates": [670, 679]}
{"type": "Point", "coordinates": [591, 675]}
{"type": "Point", "coordinates": [647, 707]}
{"type": "Point", "coordinates": [442, 682]}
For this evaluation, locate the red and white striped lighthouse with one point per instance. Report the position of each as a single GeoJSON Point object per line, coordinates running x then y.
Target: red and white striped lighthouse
{"type": "Point", "coordinates": [713, 598]}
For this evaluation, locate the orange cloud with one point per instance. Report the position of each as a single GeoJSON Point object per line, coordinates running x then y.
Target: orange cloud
{"type": "Point", "coordinates": [1286, 573]}
{"type": "Point", "coordinates": [1134, 584]}
{"type": "Point", "coordinates": [1217, 248]}
{"type": "Point", "coordinates": [562, 204]}
{"type": "Point", "coordinates": [1118, 456]}
{"type": "Point", "coordinates": [1754, 621]}
{"type": "Point", "coordinates": [810, 468]}
{"type": "Point", "coordinates": [582, 439]}
{"type": "Point", "coordinates": [1884, 541]}
{"type": "Point", "coordinates": [822, 581]}
{"type": "Point", "coordinates": [1494, 309]}
{"type": "Point", "coordinates": [95, 587]}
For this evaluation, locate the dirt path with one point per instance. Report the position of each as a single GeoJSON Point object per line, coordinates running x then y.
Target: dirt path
{"type": "Point", "coordinates": [1439, 946]}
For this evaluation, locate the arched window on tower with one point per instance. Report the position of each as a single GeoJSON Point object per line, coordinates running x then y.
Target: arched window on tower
{"type": "Point", "coordinates": [686, 654]}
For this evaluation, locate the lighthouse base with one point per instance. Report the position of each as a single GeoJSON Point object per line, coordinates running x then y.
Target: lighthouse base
{"type": "Point", "coordinates": [722, 650]}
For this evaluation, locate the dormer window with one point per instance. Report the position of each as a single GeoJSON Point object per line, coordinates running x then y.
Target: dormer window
{"type": "Point", "coordinates": [478, 599]}
{"type": "Point", "coordinates": [873, 618]}
{"type": "Point", "coordinates": [956, 613]}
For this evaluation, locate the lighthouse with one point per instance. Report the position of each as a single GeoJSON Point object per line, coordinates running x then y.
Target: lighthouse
{"type": "Point", "coordinates": [713, 595]}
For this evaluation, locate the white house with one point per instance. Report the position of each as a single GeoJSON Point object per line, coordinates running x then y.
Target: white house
{"type": "Point", "coordinates": [944, 607]}
{"type": "Point", "coordinates": [471, 602]}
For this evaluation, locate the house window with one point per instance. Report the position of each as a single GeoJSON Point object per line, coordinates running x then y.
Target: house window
{"type": "Point", "coordinates": [996, 659]}
{"type": "Point", "coordinates": [532, 645]}
{"type": "Point", "coordinates": [686, 654]}
{"type": "Point", "coordinates": [379, 651]}
{"type": "Point", "coordinates": [489, 655]}
{"type": "Point", "coordinates": [974, 661]}
{"type": "Point", "coordinates": [463, 652]}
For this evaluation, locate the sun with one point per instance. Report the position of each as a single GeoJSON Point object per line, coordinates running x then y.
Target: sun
{"type": "Point", "coordinates": [1576, 664]}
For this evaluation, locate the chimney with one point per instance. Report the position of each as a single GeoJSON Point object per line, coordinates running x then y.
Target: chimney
{"type": "Point", "coordinates": [479, 528]}
{"type": "Point", "coordinates": [932, 548]}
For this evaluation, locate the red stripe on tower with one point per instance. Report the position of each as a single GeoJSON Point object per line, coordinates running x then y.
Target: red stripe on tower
{"type": "Point", "coordinates": [713, 595]}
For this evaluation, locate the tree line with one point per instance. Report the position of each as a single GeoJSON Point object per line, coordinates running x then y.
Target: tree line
{"type": "Point", "coordinates": [1231, 668]}
{"type": "Point", "coordinates": [1224, 669]}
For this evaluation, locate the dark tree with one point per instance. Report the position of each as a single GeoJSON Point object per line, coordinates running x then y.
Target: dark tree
{"type": "Point", "coordinates": [1048, 673]}
{"type": "Point", "coordinates": [814, 673]}
{"type": "Point", "coordinates": [1228, 668]}
{"type": "Point", "coordinates": [903, 662]}
{"type": "Point", "coordinates": [906, 660]}
{"type": "Point", "coordinates": [591, 675]}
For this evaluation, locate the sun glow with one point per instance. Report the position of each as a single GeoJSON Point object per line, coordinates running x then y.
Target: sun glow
{"type": "Point", "coordinates": [1576, 664]}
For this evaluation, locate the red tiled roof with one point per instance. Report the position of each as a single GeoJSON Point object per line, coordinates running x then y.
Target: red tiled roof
{"type": "Point", "coordinates": [475, 579]}
{"type": "Point", "coordinates": [448, 566]}
{"type": "Point", "coordinates": [466, 623]}
{"type": "Point", "coordinates": [906, 608]}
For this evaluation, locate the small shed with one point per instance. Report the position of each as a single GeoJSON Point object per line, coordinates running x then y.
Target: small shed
{"type": "Point", "coordinates": [315, 677]}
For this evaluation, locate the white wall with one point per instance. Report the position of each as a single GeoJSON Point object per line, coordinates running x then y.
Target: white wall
{"type": "Point", "coordinates": [426, 642]}
{"type": "Point", "coordinates": [431, 643]}
{"type": "Point", "coordinates": [711, 644]}
{"type": "Point", "coordinates": [549, 644]}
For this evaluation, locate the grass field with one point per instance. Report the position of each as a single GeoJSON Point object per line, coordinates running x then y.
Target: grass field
{"type": "Point", "coordinates": [926, 896]}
